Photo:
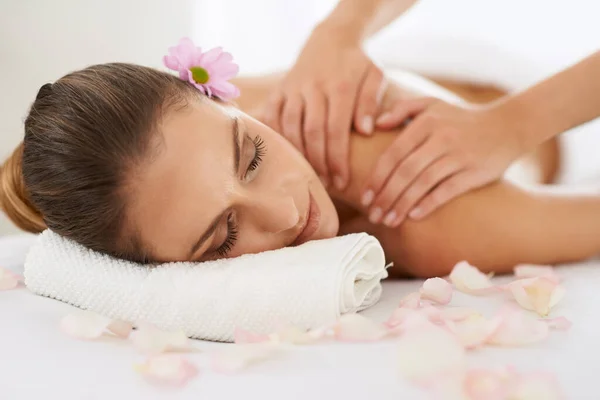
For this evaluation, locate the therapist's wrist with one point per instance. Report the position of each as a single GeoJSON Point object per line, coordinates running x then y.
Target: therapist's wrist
{"type": "Point", "coordinates": [522, 123]}
{"type": "Point", "coordinates": [346, 29]}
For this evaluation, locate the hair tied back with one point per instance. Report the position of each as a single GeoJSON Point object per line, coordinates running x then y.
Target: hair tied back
{"type": "Point", "coordinates": [44, 91]}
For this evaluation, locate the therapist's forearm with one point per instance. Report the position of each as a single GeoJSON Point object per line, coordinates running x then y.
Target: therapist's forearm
{"type": "Point", "coordinates": [559, 103]}
{"type": "Point", "coordinates": [359, 19]}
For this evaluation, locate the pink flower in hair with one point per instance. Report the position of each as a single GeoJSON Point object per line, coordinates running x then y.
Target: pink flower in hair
{"type": "Point", "coordinates": [209, 71]}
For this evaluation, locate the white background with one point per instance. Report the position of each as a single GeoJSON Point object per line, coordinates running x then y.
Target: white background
{"type": "Point", "coordinates": [492, 40]}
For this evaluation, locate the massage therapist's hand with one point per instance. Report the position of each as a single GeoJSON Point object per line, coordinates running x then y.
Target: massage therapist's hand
{"type": "Point", "coordinates": [445, 150]}
{"type": "Point", "coordinates": [332, 86]}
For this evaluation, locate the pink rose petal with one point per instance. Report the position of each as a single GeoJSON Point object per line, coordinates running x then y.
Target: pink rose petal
{"type": "Point", "coordinates": [536, 271]}
{"type": "Point", "coordinates": [233, 358]}
{"type": "Point", "coordinates": [537, 386]}
{"type": "Point", "coordinates": [437, 290]}
{"type": "Point", "coordinates": [558, 323]}
{"type": "Point", "coordinates": [8, 280]}
{"type": "Point", "coordinates": [536, 294]}
{"type": "Point", "coordinates": [120, 328]}
{"type": "Point", "coordinates": [482, 384]}
{"type": "Point", "coordinates": [294, 335]}
{"type": "Point", "coordinates": [151, 340]}
{"type": "Point", "coordinates": [426, 351]}
{"type": "Point", "coordinates": [356, 328]}
{"type": "Point", "coordinates": [411, 300]}
{"type": "Point", "coordinates": [456, 314]}
{"type": "Point", "coordinates": [86, 325]}
{"type": "Point", "coordinates": [242, 336]}
{"type": "Point", "coordinates": [398, 316]}
{"type": "Point", "coordinates": [518, 328]}
{"type": "Point", "coordinates": [469, 279]}
{"type": "Point", "coordinates": [169, 369]}
{"type": "Point", "coordinates": [475, 330]}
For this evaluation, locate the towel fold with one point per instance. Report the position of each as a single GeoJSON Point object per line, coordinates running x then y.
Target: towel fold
{"type": "Point", "coordinates": [307, 286]}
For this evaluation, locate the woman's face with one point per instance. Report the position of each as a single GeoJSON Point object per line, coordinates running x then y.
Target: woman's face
{"type": "Point", "coordinates": [221, 185]}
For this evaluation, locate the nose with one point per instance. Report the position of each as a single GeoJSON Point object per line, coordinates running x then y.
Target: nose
{"type": "Point", "coordinates": [275, 212]}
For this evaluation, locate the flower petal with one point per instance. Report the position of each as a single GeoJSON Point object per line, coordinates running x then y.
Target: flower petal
{"type": "Point", "coordinates": [170, 369]}
{"type": "Point", "coordinates": [437, 290]}
{"type": "Point", "coordinates": [558, 323]}
{"type": "Point", "coordinates": [293, 335]}
{"type": "Point", "coordinates": [241, 336]}
{"type": "Point", "coordinates": [234, 358]}
{"type": "Point", "coordinates": [411, 300]}
{"type": "Point", "coordinates": [475, 330]}
{"type": "Point", "coordinates": [483, 384]}
{"type": "Point", "coordinates": [420, 351]}
{"type": "Point", "coordinates": [536, 294]}
{"type": "Point", "coordinates": [356, 328]}
{"type": "Point", "coordinates": [518, 328]}
{"type": "Point", "coordinates": [536, 271]}
{"type": "Point", "coordinates": [84, 325]}
{"type": "Point", "coordinates": [171, 63]}
{"type": "Point", "coordinates": [151, 340]}
{"type": "Point", "coordinates": [537, 386]}
{"type": "Point", "coordinates": [8, 280]}
{"type": "Point", "coordinates": [456, 314]}
{"type": "Point", "coordinates": [469, 279]}
{"type": "Point", "coordinates": [120, 328]}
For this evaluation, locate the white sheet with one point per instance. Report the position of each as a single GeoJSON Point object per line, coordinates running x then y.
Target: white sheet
{"type": "Point", "coordinates": [36, 359]}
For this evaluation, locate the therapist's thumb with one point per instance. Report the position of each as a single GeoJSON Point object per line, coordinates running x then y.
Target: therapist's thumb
{"type": "Point", "coordinates": [369, 97]}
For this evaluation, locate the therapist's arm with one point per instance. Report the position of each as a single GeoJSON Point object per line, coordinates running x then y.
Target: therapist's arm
{"type": "Point", "coordinates": [561, 102]}
{"type": "Point", "coordinates": [448, 150]}
{"type": "Point", "coordinates": [332, 86]}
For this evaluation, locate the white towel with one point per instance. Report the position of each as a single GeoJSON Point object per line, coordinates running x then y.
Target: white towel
{"type": "Point", "coordinates": [306, 286]}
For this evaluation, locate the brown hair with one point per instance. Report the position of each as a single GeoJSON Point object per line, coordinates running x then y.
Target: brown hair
{"type": "Point", "coordinates": [84, 137]}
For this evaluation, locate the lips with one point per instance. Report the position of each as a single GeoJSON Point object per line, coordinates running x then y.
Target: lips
{"type": "Point", "coordinates": [311, 222]}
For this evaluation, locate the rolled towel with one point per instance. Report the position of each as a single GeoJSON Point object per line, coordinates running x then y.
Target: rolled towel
{"type": "Point", "coordinates": [307, 286]}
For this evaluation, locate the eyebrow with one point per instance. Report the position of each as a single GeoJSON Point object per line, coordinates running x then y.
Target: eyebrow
{"type": "Point", "coordinates": [237, 151]}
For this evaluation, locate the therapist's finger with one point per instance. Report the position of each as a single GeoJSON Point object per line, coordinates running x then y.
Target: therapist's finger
{"type": "Point", "coordinates": [339, 121]}
{"type": "Point", "coordinates": [402, 110]}
{"type": "Point", "coordinates": [404, 144]}
{"type": "Point", "coordinates": [314, 131]}
{"type": "Point", "coordinates": [369, 96]}
{"type": "Point", "coordinates": [271, 114]}
{"type": "Point", "coordinates": [449, 189]}
{"type": "Point", "coordinates": [291, 120]}
{"type": "Point", "coordinates": [432, 176]}
{"type": "Point", "coordinates": [404, 176]}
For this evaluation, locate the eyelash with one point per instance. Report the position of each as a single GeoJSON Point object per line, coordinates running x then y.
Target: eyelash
{"type": "Point", "coordinates": [259, 153]}
{"type": "Point", "coordinates": [232, 229]}
{"type": "Point", "coordinates": [232, 235]}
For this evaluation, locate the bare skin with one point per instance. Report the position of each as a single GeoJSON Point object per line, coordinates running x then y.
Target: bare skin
{"type": "Point", "coordinates": [495, 227]}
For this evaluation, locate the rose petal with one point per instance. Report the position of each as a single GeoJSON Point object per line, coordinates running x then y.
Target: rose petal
{"type": "Point", "coordinates": [120, 328]}
{"type": "Point", "coordinates": [236, 357]}
{"type": "Point", "coordinates": [8, 280]}
{"type": "Point", "coordinates": [518, 328]}
{"type": "Point", "coordinates": [483, 384]}
{"type": "Point", "coordinates": [398, 316]}
{"type": "Point", "coordinates": [411, 300]}
{"type": "Point", "coordinates": [427, 351]}
{"type": "Point", "coordinates": [356, 328]}
{"type": "Point", "coordinates": [437, 290]}
{"type": "Point", "coordinates": [536, 294]}
{"type": "Point", "coordinates": [475, 330]}
{"type": "Point", "coordinates": [469, 279]}
{"type": "Point", "coordinates": [456, 314]}
{"type": "Point", "coordinates": [536, 271]}
{"type": "Point", "coordinates": [558, 323]}
{"type": "Point", "coordinates": [293, 335]}
{"type": "Point", "coordinates": [170, 369]}
{"type": "Point", "coordinates": [242, 336]}
{"type": "Point", "coordinates": [151, 340]}
{"type": "Point", "coordinates": [536, 386]}
{"type": "Point", "coordinates": [84, 325]}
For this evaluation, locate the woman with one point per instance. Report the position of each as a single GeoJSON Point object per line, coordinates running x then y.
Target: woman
{"type": "Point", "coordinates": [139, 164]}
